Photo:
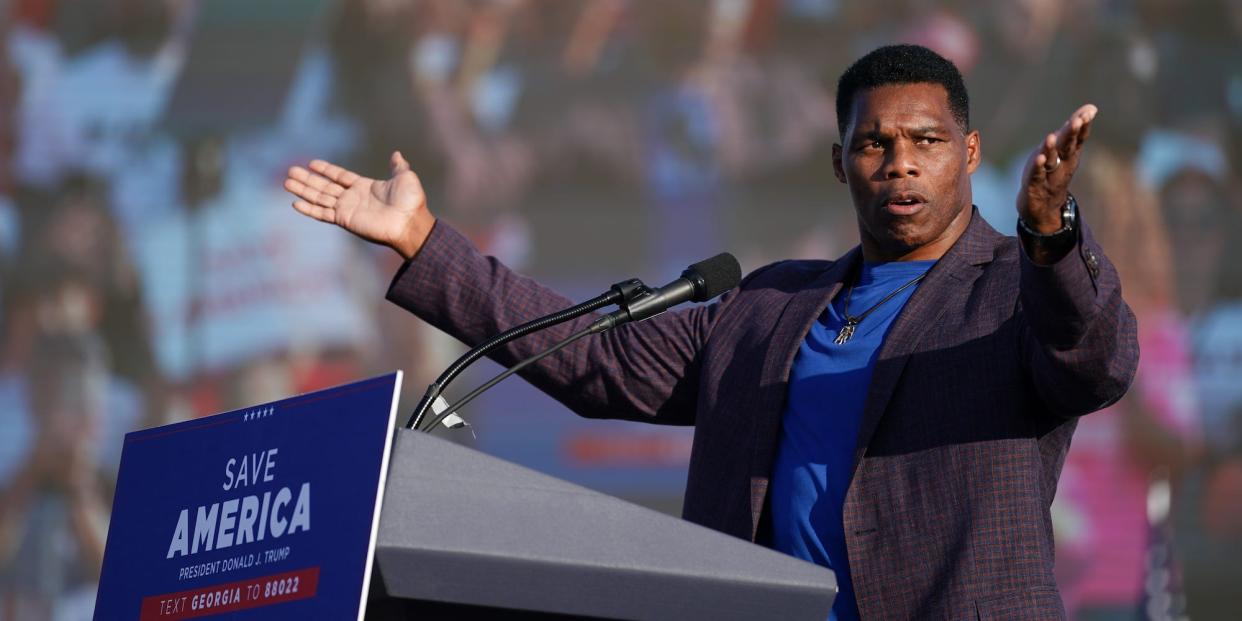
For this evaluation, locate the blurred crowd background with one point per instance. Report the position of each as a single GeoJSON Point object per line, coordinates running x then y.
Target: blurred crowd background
{"type": "Point", "coordinates": [151, 269]}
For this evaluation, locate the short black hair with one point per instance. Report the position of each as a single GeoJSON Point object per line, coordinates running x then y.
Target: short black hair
{"type": "Point", "coordinates": [902, 64]}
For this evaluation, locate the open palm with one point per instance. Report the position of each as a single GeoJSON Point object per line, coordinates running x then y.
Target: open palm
{"type": "Point", "coordinates": [1050, 168]}
{"type": "Point", "coordinates": [391, 212]}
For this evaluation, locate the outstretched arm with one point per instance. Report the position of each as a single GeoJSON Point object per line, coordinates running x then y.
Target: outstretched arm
{"type": "Point", "coordinates": [640, 371]}
{"type": "Point", "coordinates": [392, 213]}
{"type": "Point", "coordinates": [1080, 345]}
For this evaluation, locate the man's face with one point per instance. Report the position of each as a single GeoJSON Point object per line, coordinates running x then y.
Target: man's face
{"type": "Point", "coordinates": [907, 165]}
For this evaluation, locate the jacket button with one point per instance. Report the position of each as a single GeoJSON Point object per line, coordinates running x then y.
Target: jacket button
{"type": "Point", "coordinates": [1093, 263]}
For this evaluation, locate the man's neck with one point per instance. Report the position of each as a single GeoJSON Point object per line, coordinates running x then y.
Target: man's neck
{"type": "Point", "coordinates": [875, 252]}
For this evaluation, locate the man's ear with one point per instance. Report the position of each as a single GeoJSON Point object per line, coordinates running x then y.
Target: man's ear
{"type": "Point", "coordinates": [974, 151]}
{"type": "Point", "coordinates": [838, 168]}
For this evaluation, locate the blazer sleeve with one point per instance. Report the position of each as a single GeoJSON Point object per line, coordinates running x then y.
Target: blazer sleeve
{"type": "Point", "coordinates": [642, 371]}
{"type": "Point", "coordinates": [1080, 340]}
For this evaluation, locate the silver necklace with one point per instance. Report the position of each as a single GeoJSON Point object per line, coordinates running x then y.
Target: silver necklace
{"type": "Point", "coordinates": [851, 322]}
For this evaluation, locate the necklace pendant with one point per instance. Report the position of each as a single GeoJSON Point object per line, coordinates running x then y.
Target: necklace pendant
{"type": "Point", "coordinates": [846, 333]}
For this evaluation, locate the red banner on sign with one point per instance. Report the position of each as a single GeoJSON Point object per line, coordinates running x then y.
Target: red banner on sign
{"type": "Point", "coordinates": [232, 596]}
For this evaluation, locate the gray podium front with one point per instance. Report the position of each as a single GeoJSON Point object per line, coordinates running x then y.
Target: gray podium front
{"type": "Point", "coordinates": [466, 535]}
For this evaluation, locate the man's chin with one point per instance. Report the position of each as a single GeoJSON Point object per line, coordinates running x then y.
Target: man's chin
{"type": "Point", "coordinates": [905, 237]}
{"type": "Point", "coordinates": [902, 241]}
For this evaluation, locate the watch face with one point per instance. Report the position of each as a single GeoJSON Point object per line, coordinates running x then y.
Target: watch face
{"type": "Point", "coordinates": [1069, 217]}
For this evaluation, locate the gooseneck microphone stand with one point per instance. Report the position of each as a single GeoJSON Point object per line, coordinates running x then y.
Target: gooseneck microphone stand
{"type": "Point", "coordinates": [698, 283]}
{"type": "Point", "coordinates": [620, 293]}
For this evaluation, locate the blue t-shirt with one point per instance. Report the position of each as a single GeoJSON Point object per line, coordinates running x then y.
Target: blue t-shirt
{"type": "Point", "coordinates": [827, 392]}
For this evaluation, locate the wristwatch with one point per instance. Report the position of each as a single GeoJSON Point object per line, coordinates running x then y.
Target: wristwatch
{"type": "Point", "coordinates": [1069, 227]}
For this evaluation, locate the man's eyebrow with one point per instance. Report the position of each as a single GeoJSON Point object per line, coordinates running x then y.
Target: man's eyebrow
{"type": "Point", "coordinates": [921, 130]}
{"type": "Point", "coordinates": [929, 129]}
{"type": "Point", "coordinates": [870, 134]}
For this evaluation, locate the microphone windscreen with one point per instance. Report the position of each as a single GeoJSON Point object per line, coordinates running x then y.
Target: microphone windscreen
{"type": "Point", "coordinates": [718, 274]}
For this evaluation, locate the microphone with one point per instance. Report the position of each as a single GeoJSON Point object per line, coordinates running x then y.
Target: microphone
{"type": "Point", "coordinates": [698, 283]}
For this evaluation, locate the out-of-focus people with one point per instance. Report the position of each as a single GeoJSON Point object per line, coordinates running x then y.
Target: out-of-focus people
{"type": "Point", "coordinates": [371, 43]}
{"type": "Point", "coordinates": [54, 509]}
{"type": "Point", "coordinates": [73, 227]}
{"type": "Point", "coordinates": [71, 300]}
{"type": "Point", "coordinates": [1026, 56]}
{"type": "Point", "coordinates": [1204, 228]}
{"type": "Point", "coordinates": [1196, 59]}
{"type": "Point", "coordinates": [220, 293]}
{"type": "Point", "coordinates": [99, 108]}
{"type": "Point", "coordinates": [10, 95]}
{"type": "Point", "coordinates": [1124, 457]}
{"type": "Point", "coordinates": [542, 128]}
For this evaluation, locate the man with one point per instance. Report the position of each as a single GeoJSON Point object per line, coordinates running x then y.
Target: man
{"type": "Point", "coordinates": [900, 414]}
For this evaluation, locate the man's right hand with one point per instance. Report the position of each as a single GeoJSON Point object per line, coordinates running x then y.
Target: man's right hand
{"type": "Point", "coordinates": [393, 212]}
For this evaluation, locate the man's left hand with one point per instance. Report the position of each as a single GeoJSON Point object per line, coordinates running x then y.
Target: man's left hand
{"type": "Point", "coordinates": [1049, 170]}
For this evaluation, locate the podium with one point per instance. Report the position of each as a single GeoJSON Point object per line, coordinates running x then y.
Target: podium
{"type": "Point", "coordinates": [466, 535]}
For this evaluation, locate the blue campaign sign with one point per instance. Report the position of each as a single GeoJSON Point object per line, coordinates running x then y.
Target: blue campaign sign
{"type": "Point", "coordinates": [269, 512]}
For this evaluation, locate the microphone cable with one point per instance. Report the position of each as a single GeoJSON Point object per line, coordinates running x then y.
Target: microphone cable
{"type": "Point", "coordinates": [613, 296]}
{"type": "Point", "coordinates": [589, 330]}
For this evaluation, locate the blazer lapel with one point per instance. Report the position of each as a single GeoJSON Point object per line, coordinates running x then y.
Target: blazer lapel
{"type": "Point", "coordinates": [802, 309]}
{"type": "Point", "coordinates": [919, 316]}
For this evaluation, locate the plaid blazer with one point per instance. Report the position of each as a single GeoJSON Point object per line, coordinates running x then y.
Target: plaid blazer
{"type": "Point", "coordinates": [967, 423]}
